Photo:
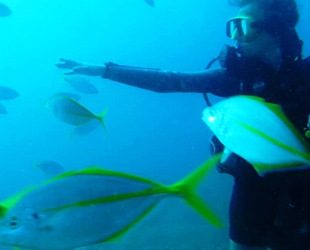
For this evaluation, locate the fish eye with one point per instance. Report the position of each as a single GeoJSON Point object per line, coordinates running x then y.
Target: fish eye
{"type": "Point", "coordinates": [13, 223]}
{"type": "Point", "coordinates": [212, 112]}
{"type": "Point", "coordinates": [35, 216]}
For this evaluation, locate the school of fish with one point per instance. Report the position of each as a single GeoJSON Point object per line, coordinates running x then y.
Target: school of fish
{"type": "Point", "coordinates": [81, 208]}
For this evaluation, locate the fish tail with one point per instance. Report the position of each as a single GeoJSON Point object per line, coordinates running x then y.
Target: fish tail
{"type": "Point", "coordinates": [100, 118]}
{"type": "Point", "coordinates": [186, 187]}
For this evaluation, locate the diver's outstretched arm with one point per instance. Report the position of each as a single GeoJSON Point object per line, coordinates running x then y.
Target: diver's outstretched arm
{"type": "Point", "coordinates": [215, 81]}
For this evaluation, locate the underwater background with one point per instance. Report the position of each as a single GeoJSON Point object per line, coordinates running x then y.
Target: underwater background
{"type": "Point", "coordinates": [157, 136]}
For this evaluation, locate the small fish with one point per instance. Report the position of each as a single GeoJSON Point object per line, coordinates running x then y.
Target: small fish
{"type": "Point", "coordinates": [3, 110]}
{"type": "Point", "coordinates": [259, 132]}
{"type": "Point", "coordinates": [50, 167]}
{"type": "Point", "coordinates": [81, 84]}
{"type": "Point", "coordinates": [72, 112]}
{"type": "Point", "coordinates": [150, 2]}
{"type": "Point", "coordinates": [4, 10]}
{"type": "Point", "coordinates": [7, 93]}
{"type": "Point", "coordinates": [90, 206]}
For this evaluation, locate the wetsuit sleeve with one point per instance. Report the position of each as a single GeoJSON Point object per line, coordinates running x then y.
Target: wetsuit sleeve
{"type": "Point", "coordinates": [215, 81]}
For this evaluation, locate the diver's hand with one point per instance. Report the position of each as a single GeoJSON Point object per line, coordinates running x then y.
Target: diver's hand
{"type": "Point", "coordinates": [67, 64]}
{"type": "Point", "coordinates": [81, 69]}
{"type": "Point", "coordinates": [88, 70]}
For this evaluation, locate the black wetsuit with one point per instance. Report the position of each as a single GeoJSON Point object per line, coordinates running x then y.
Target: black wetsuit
{"type": "Point", "coordinates": [273, 210]}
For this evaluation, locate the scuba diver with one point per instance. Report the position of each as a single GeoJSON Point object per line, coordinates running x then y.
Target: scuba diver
{"type": "Point", "coordinates": [265, 212]}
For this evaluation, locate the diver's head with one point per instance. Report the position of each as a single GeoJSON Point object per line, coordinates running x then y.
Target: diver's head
{"type": "Point", "coordinates": [266, 29]}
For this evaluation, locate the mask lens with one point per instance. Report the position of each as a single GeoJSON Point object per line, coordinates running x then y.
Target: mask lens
{"type": "Point", "coordinates": [239, 28]}
{"type": "Point", "coordinates": [243, 27]}
{"type": "Point", "coordinates": [232, 28]}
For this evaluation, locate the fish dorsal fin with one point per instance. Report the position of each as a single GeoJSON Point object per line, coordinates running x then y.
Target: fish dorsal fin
{"type": "Point", "coordinates": [255, 98]}
{"type": "Point", "coordinates": [91, 170]}
{"type": "Point", "coordinates": [88, 170]}
{"type": "Point", "coordinates": [263, 169]}
{"type": "Point", "coordinates": [95, 170]}
{"type": "Point", "coordinates": [78, 104]}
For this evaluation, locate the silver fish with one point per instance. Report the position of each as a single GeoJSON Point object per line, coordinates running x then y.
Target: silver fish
{"type": "Point", "coordinates": [72, 112]}
{"type": "Point", "coordinates": [259, 132]}
{"type": "Point", "coordinates": [91, 206]}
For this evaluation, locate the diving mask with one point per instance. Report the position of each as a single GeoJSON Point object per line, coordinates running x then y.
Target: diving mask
{"type": "Point", "coordinates": [242, 28]}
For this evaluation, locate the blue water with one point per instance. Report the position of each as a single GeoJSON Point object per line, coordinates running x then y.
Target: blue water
{"type": "Point", "coordinates": [158, 136]}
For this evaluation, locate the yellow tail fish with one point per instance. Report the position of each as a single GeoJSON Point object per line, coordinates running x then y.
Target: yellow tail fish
{"type": "Point", "coordinates": [90, 206]}
{"type": "Point", "coordinates": [259, 132]}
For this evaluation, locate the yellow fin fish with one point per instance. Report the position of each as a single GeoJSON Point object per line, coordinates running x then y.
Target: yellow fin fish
{"type": "Point", "coordinates": [259, 132]}
{"type": "Point", "coordinates": [90, 206]}
{"type": "Point", "coordinates": [72, 112]}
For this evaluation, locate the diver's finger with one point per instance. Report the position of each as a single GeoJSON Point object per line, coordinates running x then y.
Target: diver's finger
{"type": "Point", "coordinates": [62, 66]}
{"type": "Point", "coordinates": [63, 60]}
{"type": "Point", "coordinates": [67, 64]}
{"type": "Point", "coordinates": [68, 61]}
{"type": "Point", "coordinates": [70, 73]}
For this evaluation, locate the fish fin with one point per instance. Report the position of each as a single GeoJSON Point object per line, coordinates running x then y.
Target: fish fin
{"type": "Point", "coordinates": [263, 169]}
{"type": "Point", "coordinates": [100, 171]}
{"type": "Point", "coordinates": [186, 187]}
{"type": "Point", "coordinates": [3, 210]}
{"type": "Point", "coordinates": [118, 235]}
{"type": "Point", "coordinates": [255, 98]}
{"type": "Point", "coordinates": [100, 118]}
{"type": "Point", "coordinates": [89, 170]}
{"type": "Point", "coordinates": [95, 170]}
